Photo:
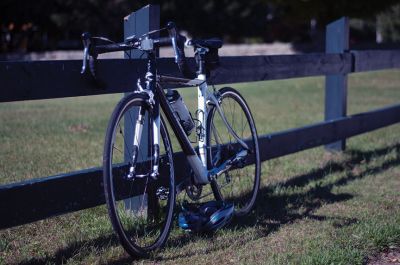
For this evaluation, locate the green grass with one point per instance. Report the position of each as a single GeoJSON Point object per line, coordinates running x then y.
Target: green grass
{"type": "Point", "coordinates": [314, 207]}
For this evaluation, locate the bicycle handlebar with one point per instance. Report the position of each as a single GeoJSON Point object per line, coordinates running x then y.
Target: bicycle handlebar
{"type": "Point", "coordinates": [177, 41]}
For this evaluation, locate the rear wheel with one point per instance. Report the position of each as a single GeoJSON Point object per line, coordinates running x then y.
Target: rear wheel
{"type": "Point", "coordinates": [140, 207]}
{"type": "Point", "coordinates": [240, 184]}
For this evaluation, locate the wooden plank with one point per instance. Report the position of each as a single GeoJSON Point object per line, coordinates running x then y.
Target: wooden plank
{"type": "Point", "coordinates": [57, 79]}
{"type": "Point", "coordinates": [41, 198]}
{"type": "Point", "coordinates": [37, 199]}
{"type": "Point", "coordinates": [299, 139]}
{"type": "Point", "coordinates": [260, 68]}
{"type": "Point", "coordinates": [376, 60]}
{"type": "Point", "coordinates": [337, 41]}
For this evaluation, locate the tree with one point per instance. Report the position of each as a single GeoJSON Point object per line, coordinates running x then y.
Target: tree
{"type": "Point", "coordinates": [389, 24]}
{"type": "Point", "coordinates": [234, 20]}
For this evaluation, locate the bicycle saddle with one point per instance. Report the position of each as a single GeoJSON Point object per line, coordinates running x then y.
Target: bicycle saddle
{"type": "Point", "coordinates": [213, 43]}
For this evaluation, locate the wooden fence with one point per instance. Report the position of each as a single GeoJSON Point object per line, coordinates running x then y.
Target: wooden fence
{"type": "Point", "coordinates": [40, 198]}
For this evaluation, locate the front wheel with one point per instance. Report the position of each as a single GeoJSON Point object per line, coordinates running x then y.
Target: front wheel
{"type": "Point", "coordinates": [140, 206]}
{"type": "Point", "coordinates": [241, 183]}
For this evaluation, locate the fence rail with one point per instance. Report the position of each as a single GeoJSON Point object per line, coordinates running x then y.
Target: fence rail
{"type": "Point", "coordinates": [36, 199]}
{"type": "Point", "coordinates": [58, 79]}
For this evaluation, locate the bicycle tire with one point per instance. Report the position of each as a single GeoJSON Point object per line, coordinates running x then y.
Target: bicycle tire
{"type": "Point", "coordinates": [135, 205]}
{"type": "Point", "coordinates": [238, 185]}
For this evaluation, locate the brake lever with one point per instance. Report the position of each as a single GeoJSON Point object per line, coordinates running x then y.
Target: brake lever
{"type": "Point", "coordinates": [86, 46]}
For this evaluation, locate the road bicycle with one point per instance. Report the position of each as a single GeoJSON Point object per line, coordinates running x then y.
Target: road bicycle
{"type": "Point", "coordinates": [138, 160]}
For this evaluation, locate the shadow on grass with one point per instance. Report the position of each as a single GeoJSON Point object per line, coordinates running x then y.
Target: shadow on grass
{"type": "Point", "coordinates": [284, 208]}
{"type": "Point", "coordinates": [74, 249]}
{"type": "Point", "coordinates": [273, 210]}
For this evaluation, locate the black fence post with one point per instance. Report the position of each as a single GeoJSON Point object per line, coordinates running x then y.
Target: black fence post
{"type": "Point", "coordinates": [141, 22]}
{"type": "Point", "coordinates": [337, 41]}
{"type": "Point", "coordinates": [137, 24]}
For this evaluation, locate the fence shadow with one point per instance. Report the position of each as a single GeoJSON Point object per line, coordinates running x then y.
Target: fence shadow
{"type": "Point", "coordinates": [272, 211]}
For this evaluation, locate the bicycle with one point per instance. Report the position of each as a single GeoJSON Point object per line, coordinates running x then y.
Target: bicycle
{"type": "Point", "coordinates": [139, 181]}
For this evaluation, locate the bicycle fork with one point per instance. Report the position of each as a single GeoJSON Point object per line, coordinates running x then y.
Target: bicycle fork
{"type": "Point", "coordinates": [153, 150]}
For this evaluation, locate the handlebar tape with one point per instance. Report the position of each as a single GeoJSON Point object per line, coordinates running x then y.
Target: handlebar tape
{"type": "Point", "coordinates": [93, 66]}
{"type": "Point", "coordinates": [178, 43]}
{"type": "Point", "coordinates": [162, 42]}
{"type": "Point", "coordinates": [115, 47]}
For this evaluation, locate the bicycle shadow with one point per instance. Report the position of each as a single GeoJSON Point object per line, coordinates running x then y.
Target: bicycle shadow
{"type": "Point", "coordinates": [272, 210]}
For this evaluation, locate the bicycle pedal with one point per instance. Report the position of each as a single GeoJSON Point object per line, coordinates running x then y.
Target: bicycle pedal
{"type": "Point", "coordinates": [162, 193]}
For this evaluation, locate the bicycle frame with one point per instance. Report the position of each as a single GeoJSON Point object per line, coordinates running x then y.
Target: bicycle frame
{"type": "Point", "coordinates": [198, 163]}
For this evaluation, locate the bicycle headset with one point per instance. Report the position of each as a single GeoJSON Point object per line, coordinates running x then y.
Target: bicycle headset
{"type": "Point", "coordinates": [205, 217]}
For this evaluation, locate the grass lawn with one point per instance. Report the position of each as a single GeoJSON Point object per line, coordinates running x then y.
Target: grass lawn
{"type": "Point", "coordinates": [314, 207]}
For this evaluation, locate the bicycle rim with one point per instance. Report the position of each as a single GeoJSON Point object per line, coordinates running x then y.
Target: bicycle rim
{"type": "Point", "coordinates": [140, 207]}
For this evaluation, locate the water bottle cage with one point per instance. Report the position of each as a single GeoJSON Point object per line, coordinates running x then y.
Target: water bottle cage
{"type": "Point", "coordinates": [200, 130]}
{"type": "Point", "coordinates": [186, 125]}
{"type": "Point", "coordinates": [181, 112]}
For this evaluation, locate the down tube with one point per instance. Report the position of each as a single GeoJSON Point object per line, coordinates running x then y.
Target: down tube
{"type": "Point", "coordinates": [201, 174]}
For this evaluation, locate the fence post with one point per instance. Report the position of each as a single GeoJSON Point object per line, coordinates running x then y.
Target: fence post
{"type": "Point", "coordinates": [138, 23]}
{"type": "Point", "coordinates": [337, 41]}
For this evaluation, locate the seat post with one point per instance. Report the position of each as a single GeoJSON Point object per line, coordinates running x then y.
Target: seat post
{"type": "Point", "coordinates": [200, 59]}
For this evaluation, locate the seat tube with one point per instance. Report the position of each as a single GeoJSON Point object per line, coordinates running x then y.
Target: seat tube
{"type": "Point", "coordinates": [202, 117]}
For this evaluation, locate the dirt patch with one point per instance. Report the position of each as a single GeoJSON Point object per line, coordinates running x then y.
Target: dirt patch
{"type": "Point", "coordinates": [389, 257]}
{"type": "Point", "coordinates": [78, 128]}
